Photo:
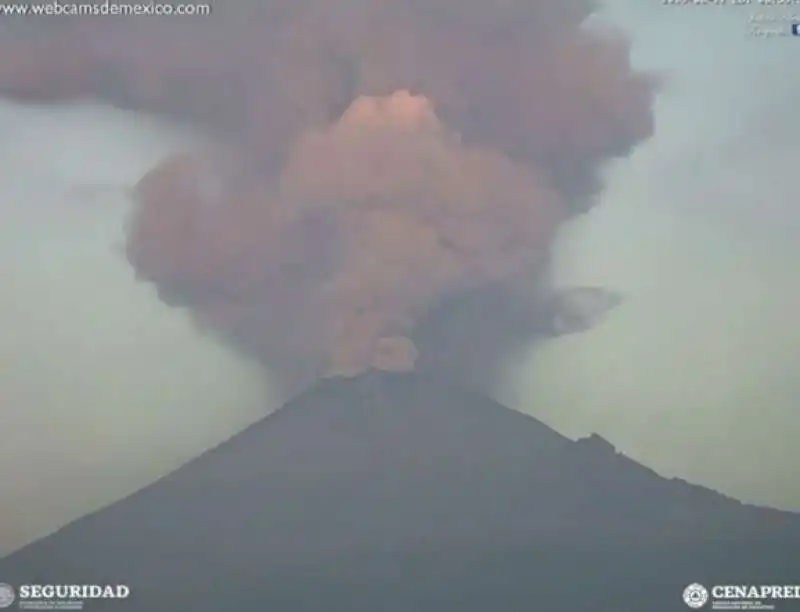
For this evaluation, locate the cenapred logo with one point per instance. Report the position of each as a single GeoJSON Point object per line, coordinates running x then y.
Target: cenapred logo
{"type": "Point", "coordinates": [7, 595]}
{"type": "Point", "coordinates": [695, 595]}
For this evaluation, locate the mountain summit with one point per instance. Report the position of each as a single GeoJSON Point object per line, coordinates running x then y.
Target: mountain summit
{"type": "Point", "coordinates": [390, 492]}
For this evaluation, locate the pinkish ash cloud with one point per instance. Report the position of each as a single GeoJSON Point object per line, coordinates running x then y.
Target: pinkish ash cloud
{"type": "Point", "coordinates": [374, 160]}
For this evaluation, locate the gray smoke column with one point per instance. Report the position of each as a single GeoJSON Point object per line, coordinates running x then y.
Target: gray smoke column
{"type": "Point", "coordinates": [376, 163]}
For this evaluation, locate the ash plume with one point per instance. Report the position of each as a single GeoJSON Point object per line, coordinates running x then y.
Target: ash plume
{"type": "Point", "coordinates": [374, 165]}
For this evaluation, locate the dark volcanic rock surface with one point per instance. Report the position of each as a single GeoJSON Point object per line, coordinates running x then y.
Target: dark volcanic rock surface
{"type": "Point", "coordinates": [398, 492]}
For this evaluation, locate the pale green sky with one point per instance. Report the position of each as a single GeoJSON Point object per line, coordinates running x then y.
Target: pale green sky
{"type": "Point", "coordinates": [103, 389]}
{"type": "Point", "coordinates": [696, 374]}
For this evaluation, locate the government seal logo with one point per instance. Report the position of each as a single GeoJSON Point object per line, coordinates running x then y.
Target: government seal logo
{"type": "Point", "coordinates": [7, 595]}
{"type": "Point", "coordinates": [695, 595]}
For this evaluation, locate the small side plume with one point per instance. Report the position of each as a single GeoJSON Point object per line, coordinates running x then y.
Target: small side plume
{"type": "Point", "coordinates": [577, 309]}
{"type": "Point", "coordinates": [387, 175]}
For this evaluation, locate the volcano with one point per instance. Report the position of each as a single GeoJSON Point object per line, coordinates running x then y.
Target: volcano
{"type": "Point", "coordinates": [398, 491]}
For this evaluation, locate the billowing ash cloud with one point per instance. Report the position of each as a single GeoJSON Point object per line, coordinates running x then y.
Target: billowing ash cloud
{"type": "Point", "coordinates": [380, 165]}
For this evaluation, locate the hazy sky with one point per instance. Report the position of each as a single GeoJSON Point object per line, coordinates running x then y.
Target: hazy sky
{"type": "Point", "coordinates": [103, 388]}
{"type": "Point", "coordinates": [696, 374]}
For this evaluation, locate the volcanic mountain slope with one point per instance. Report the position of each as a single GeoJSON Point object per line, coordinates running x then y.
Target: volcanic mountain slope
{"type": "Point", "coordinates": [399, 492]}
